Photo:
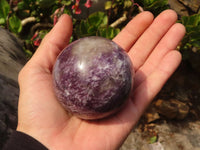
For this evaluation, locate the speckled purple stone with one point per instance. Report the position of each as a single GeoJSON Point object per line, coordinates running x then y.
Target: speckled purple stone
{"type": "Point", "coordinates": [93, 77]}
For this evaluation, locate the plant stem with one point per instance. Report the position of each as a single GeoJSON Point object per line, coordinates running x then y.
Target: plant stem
{"type": "Point", "coordinates": [28, 20]}
{"type": "Point", "coordinates": [119, 21]}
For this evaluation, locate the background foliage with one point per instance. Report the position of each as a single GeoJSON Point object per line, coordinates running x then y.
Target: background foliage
{"type": "Point", "coordinates": [31, 20]}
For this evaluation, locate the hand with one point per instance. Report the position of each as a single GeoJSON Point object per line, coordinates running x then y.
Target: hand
{"type": "Point", "coordinates": [149, 42]}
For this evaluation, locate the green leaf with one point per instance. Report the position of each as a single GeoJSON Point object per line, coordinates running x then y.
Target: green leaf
{"type": "Point", "coordinates": [109, 32]}
{"type": "Point", "coordinates": [2, 21]}
{"type": "Point", "coordinates": [128, 3]}
{"type": "Point", "coordinates": [28, 53]}
{"type": "Point", "coordinates": [195, 34]}
{"type": "Point", "coordinates": [67, 11]}
{"type": "Point", "coordinates": [4, 9]}
{"type": "Point", "coordinates": [153, 140]}
{"type": "Point", "coordinates": [42, 33]}
{"type": "Point", "coordinates": [155, 3]}
{"type": "Point", "coordinates": [92, 30]}
{"type": "Point", "coordinates": [155, 6]}
{"type": "Point", "coordinates": [66, 2]}
{"type": "Point", "coordinates": [15, 24]}
{"type": "Point", "coordinates": [46, 3]}
{"type": "Point", "coordinates": [195, 44]}
{"type": "Point", "coordinates": [108, 5]}
{"type": "Point", "coordinates": [83, 27]}
{"type": "Point", "coordinates": [193, 20]}
{"type": "Point", "coordinates": [22, 5]}
{"type": "Point", "coordinates": [192, 38]}
{"type": "Point", "coordinates": [98, 19]}
{"type": "Point", "coordinates": [104, 21]}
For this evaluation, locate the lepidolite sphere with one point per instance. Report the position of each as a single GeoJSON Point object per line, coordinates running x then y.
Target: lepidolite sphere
{"type": "Point", "coordinates": [93, 77]}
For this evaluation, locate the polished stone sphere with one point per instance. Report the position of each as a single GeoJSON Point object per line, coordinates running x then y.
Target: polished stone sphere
{"type": "Point", "coordinates": [93, 77]}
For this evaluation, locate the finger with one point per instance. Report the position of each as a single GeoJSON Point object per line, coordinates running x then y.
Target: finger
{"type": "Point", "coordinates": [167, 43]}
{"type": "Point", "coordinates": [147, 90]}
{"type": "Point", "coordinates": [149, 39]}
{"type": "Point", "coordinates": [150, 87]}
{"type": "Point", "coordinates": [53, 43]}
{"type": "Point", "coordinates": [127, 37]}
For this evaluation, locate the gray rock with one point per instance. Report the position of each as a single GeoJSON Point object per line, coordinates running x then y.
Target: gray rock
{"type": "Point", "coordinates": [194, 5]}
{"type": "Point", "coordinates": [12, 60]}
{"type": "Point", "coordinates": [2, 127]}
{"type": "Point", "coordinates": [180, 9]}
{"type": "Point", "coordinates": [172, 109]}
{"type": "Point", "coordinates": [11, 55]}
{"type": "Point", "coordinates": [171, 136]}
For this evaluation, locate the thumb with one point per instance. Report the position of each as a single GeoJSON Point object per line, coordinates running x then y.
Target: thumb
{"type": "Point", "coordinates": [53, 43]}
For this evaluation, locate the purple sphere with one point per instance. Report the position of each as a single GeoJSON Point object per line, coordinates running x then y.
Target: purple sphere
{"type": "Point", "coordinates": [93, 77]}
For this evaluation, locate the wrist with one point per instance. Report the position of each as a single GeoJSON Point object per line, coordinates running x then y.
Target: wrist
{"type": "Point", "coordinates": [30, 132]}
{"type": "Point", "coordinates": [21, 141]}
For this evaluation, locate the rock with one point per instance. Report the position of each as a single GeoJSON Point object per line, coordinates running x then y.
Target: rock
{"type": "Point", "coordinates": [172, 109]}
{"type": "Point", "coordinates": [8, 93]}
{"type": "Point", "coordinates": [2, 127]}
{"type": "Point", "coordinates": [134, 141]}
{"type": "Point", "coordinates": [192, 4]}
{"type": "Point", "coordinates": [151, 115]}
{"type": "Point", "coordinates": [181, 94]}
{"type": "Point", "coordinates": [178, 7]}
{"type": "Point", "coordinates": [3, 133]}
{"type": "Point", "coordinates": [179, 136]}
{"type": "Point", "coordinates": [182, 108]}
{"type": "Point", "coordinates": [153, 146]}
{"type": "Point", "coordinates": [12, 60]}
{"type": "Point", "coordinates": [171, 136]}
{"type": "Point", "coordinates": [166, 109]}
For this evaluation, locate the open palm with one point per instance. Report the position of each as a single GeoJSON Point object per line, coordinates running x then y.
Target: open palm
{"type": "Point", "coordinates": [149, 42]}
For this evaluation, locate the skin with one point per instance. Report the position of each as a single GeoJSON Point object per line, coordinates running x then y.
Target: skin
{"type": "Point", "coordinates": [149, 42]}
